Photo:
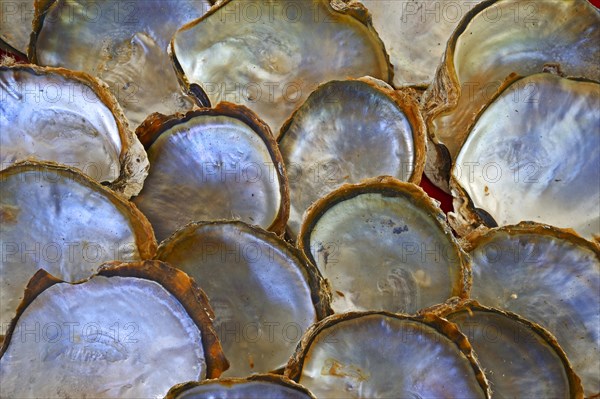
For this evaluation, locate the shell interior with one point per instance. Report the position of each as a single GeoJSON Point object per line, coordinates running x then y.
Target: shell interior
{"type": "Point", "coordinates": [552, 279]}
{"type": "Point", "coordinates": [256, 283]}
{"type": "Point", "coordinates": [518, 361]}
{"type": "Point", "coordinates": [108, 337]}
{"type": "Point", "coordinates": [17, 19]}
{"type": "Point", "coordinates": [80, 226]}
{"type": "Point", "coordinates": [345, 132]}
{"type": "Point", "coordinates": [211, 167]}
{"type": "Point", "coordinates": [383, 248]}
{"type": "Point", "coordinates": [49, 115]}
{"type": "Point", "coordinates": [122, 43]}
{"type": "Point", "coordinates": [534, 153]}
{"type": "Point", "coordinates": [385, 356]}
{"type": "Point", "coordinates": [269, 55]}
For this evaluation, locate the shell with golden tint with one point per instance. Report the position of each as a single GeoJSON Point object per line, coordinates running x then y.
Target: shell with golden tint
{"type": "Point", "coordinates": [548, 276]}
{"type": "Point", "coordinates": [347, 131]}
{"type": "Point", "coordinates": [386, 355]}
{"type": "Point", "coordinates": [384, 245]}
{"type": "Point", "coordinates": [515, 353]}
{"type": "Point", "coordinates": [532, 154]}
{"type": "Point", "coordinates": [270, 55]}
{"type": "Point", "coordinates": [494, 40]}
{"type": "Point", "coordinates": [133, 330]}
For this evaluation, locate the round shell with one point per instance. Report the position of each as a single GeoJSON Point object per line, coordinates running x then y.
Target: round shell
{"type": "Point", "coordinates": [122, 43]}
{"type": "Point", "coordinates": [270, 56]}
{"type": "Point", "coordinates": [212, 164]}
{"type": "Point", "coordinates": [345, 132]}
{"type": "Point", "coordinates": [550, 277]}
{"type": "Point", "coordinates": [385, 355]}
{"type": "Point", "coordinates": [17, 18]}
{"type": "Point", "coordinates": [258, 386]}
{"type": "Point", "coordinates": [54, 114]}
{"type": "Point", "coordinates": [384, 245]}
{"type": "Point", "coordinates": [55, 218]}
{"type": "Point", "coordinates": [520, 358]}
{"type": "Point", "coordinates": [493, 40]}
{"type": "Point", "coordinates": [532, 154]}
{"type": "Point", "coordinates": [264, 293]}
{"type": "Point", "coordinates": [133, 330]}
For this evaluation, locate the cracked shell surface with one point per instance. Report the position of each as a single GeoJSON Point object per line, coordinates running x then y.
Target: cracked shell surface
{"type": "Point", "coordinates": [213, 164]}
{"type": "Point", "coordinates": [533, 154]}
{"type": "Point", "coordinates": [270, 55]}
{"type": "Point", "coordinates": [262, 386]}
{"type": "Point", "coordinates": [347, 131]}
{"type": "Point", "coordinates": [520, 358]}
{"type": "Point", "coordinates": [497, 38]}
{"type": "Point", "coordinates": [550, 277]}
{"type": "Point", "coordinates": [261, 289]}
{"type": "Point", "coordinates": [415, 34]}
{"type": "Point", "coordinates": [384, 355]}
{"type": "Point", "coordinates": [123, 43]}
{"type": "Point", "coordinates": [17, 18]}
{"type": "Point", "coordinates": [109, 335]}
{"type": "Point", "coordinates": [384, 245]}
{"type": "Point", "coordinates": [68, 117]}
{"type": "Point", "coordinates": [55, 218]}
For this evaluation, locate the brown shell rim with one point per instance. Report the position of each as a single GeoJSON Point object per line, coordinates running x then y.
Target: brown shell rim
{"type": "Point", "coordinates": [319, 294]}
{"type": "Point", "coordinates": [133, 159]}
{"type": "Point", "coordinates": [144, 234]}
{"type": "Point", "coordinates": [355, 10]}
{"type": "Point", "coordinates": [387, 186]}
{"type": "Point", "coordinates": [456, 305]}
{"type": "Point", "coordinates": [466, 218]}
{"type": "Point", "coordinates": [156, 124]}
{"type": "Point", "coordinates": [403, 98]}
{"type": "Point", "coordinates": [229, 382]}
{"type": "Point", "coordinates": [449, 330]}
{"type": "Point", "coordinates": [442, 96]}
{"type": "Point", "coordinates": [481, 235]}
{"type": "Point", "coordinates": [176, 282]}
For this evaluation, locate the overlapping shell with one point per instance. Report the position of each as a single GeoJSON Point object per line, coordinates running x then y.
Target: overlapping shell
{"type": "Point", "coordinates": [110, 336]}
{"type": "Point", "coordinates": [122, 43]}
{"type": "Point", "coordinates": [384, 245]}
{"type": "Point", "coordinates": [57, 219]}
{"type": "Point", "coordinates": [270, 55]}
{"type": "Point", "coordinates": [17, 19]}
{"type": "Point", "coordinates": [345, 132]}
{"type": "Point", "coordinates": [532, 154]}
{"type": "Point", "coordinates": [53, 114]}
{"type": "Point", "coordinates": [211, 164]}
{"type": "Point", "coordinates": [264, 293]}
{"type": "Point", "coordinates": [520, 358]}
{"type": "Point", "coordinates": [494, 40]}
{"type": "Point", "coordinates": [385, 355]}
{"type": "Point", "coordinates": [257, 386]}
{"type": "Point", "coordinates": [548, 276]}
